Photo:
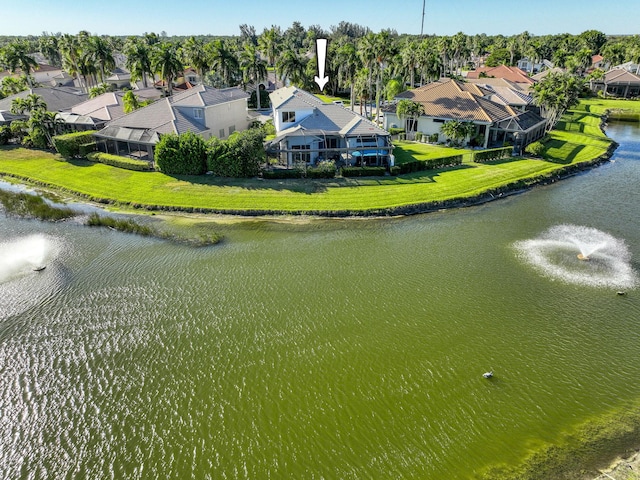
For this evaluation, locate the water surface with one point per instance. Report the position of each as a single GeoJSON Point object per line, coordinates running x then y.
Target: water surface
{"type": "Point", "coordinates": [348, 349]}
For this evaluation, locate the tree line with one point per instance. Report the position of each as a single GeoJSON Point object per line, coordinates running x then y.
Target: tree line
{"type": "Point", "coordinates": [372, 65]}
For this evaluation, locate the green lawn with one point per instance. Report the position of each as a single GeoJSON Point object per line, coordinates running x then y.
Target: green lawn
{"type": "Point", "coordinates": [331, 99]}
{"type": "Point", "coordinates": [410, 151]}
{"type": "Point", "coordinates": [581, 140]}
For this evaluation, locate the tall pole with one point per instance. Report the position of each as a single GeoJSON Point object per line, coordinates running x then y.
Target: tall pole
{"type": "Point", "coordinates": [422, 27]}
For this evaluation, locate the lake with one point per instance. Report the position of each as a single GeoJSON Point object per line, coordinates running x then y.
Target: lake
{"type": "Point", "coordinates": [336, 349]}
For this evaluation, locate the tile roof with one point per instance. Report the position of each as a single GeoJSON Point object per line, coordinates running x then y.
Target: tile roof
{"type": "Point", "coordinates": [172, 114]}
{"type": "Point", "coordinates": [58, 99]}
{"type": "Point", "coordinates": [502, 71]}
{"type": "Point", "coordinates": [326, 119]}
{"type": "Point", "coordinates": [613, 77]}
{"type": "Point", "coordinates": [452, 100]}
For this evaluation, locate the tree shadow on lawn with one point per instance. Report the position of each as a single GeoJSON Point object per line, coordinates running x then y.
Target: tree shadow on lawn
{"type": "Point", "coordinates": [569, 158]}
{"type": "Point", "coordinates": [295, 185]}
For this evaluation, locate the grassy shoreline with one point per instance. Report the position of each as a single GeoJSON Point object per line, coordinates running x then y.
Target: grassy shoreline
{"type": "Point", "coordinates": [577, 144]}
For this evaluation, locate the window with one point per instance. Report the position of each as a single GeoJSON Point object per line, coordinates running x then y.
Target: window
{"type": "Point", "coordinates": [232, 129]}
{"type": "Point", "coordinates": [288, 117]}
{"type": "Point", "coordinates": [301, 156]}
{"type": "Point", "coordinates": [411, 125]}
{"type": "Point", "coordinates": [198, 113]}
{"type": "Point", "coordinates": [438, 120]}
{"type": "Point", "coordinates": [221, 133]}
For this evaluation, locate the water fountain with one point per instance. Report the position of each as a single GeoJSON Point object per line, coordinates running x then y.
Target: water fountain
{"type": "Point", "coordinates": [24, 255]}
{"type": "Point", "coordinates": [602, 260]}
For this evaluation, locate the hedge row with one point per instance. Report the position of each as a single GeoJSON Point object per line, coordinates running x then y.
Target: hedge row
{"type": "Point", "coordinates": [120, 162]}
{"type": "Point", "coordinates": [431, 164]}
{"type": "Point", "coordinates": [281, 173]}
{"type": "Point", "coordinates": [69, 145]}
{"type": "Point", "coordinates": [363, 171]}
{"type": "Point", "coordinates": [490, 155]}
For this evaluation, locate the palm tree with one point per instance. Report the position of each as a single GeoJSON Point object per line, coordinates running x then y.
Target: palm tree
{"type": "Point", "coordinates": [166, 62]}
{"type": "Point", "coordinates": [17, 56]}
{"type": "Point", "coordinates": [555, 94]}
{"type": "Point", "coordinates": [223, 60]}
{"type": "Point", "coordinates": [195, 55]}
{"type": "Point", "coordinates": [411, 111]}
{"type": "Point", "coordinates": [99, 54]}
{"type": "Point", "coordinates": [254, 69]}
{"type": "Point", "coordinates": [269, 44]}
{"type": "Point", "coordinates": [293, 66]}
{"type": "Point", "coordinates": [49, 47]}
{"type": "Point", "coordinates": [27, 104]}
{"type": "Point", "coordinates": [409, 55]}
{"type": "Point", "coordinates": [70, 49]}
{"type": "Point", "coordinates": [457, 130]}
{"type": "Point", "coordinates": [138, 59]}
{"type": "Point", "coordinates": [348, 63]}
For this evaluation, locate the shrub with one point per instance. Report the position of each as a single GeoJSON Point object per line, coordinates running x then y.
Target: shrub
{"type": "Point", "coordinates": [5, 134]}
{"type": "Point", "coordinates": [433, 138]}
{"type": "Point", "coordinates": [120, 162]}
{"type": "Point", "coordinates": [491, 155]}
{"type": "Point", "coordinates": [184, 154]}
{"type": "Point", "coordinates": [363, 171]}
{"type": "Point", "coordinates": [87, 148]}
{"type": "Point", "coordinates": [536, 149]}
{"type": "Point", "coordinates": [418, 136]}
{"type": "Point", "coordinates": [395, 170]}
{"type": "Point", "coordinates": [241, 155]}
{"type": "Point", "coordinates": [431, 164]}
{"type": "Point", "coordinates": [396, 131]}
{"type": "Point", "coordinates": [282, 173]}
{"type": "Point", "coordinates": [68, 145]}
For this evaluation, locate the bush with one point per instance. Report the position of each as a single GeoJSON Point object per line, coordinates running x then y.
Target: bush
{"type": "Point", "coordinates": [324, 169]}
{"type": "Point", "coordinates": [363, 171]}
{"type": "Point", "coordinates": [419, 136]}
{"type": "Point", "coordinates": [536, 149]}
{"type": "Point", "coordinates": [86, 148]}
{"type": "Point", "coordinates": [68, 145]}
{"type": "Point", "coordinates": [5, 134]}
{"type": "Point", "coordinates": [117, 161]}
{"type": "Point", "coordinates": [491, 155]}
{"type": "Point", "coordinates": [395, 170]}
{"type": "Point", "coordinates": [433, 138]}
{"type": "Point", "coordinates": [431, 164]}
{"type": "Point", "coordinates": [184, 154]}
{"type": "Point", "coordinates": [396, 131]}
{"type": "Point", "coordinates": [282, 173]}
{"type": "Point", "coordinates": [241, 155]}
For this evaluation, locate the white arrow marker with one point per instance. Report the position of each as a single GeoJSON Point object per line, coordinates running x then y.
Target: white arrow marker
{"type": "Point", "coordinates": [321, 49]}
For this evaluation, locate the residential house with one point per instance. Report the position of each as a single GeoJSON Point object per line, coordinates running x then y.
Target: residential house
{"type": "Point", "coordinates": [513, 74]}
{"type": "Point", "coordinates": [45, 75]}
{"type": "Point", "coordinates": [506, 92]}
{"type": "Point", "coordinates": [533, 66]}
{"type": "Point", "coordinates": [58, 99]}
{"type": "Point", "coordinates": [309, 131]}
{"type": "Point", "coordinates": [496, 122]}
{"type": "Point", "coordinates": [542, 75]}
{"type": "Point", "coordinates": [598, 61]}
{"type": "Point", "coordinates": [95, 113]}
{"type": "Point", "coordinates": [203, 110]}
{"type": "Point", "coordinates": [618, 83]}
{"type": "Point", "coordinates": [119, 78]}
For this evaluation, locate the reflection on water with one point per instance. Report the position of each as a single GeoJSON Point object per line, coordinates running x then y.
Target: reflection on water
{"type": "Point", "coordinates": [330, 352]}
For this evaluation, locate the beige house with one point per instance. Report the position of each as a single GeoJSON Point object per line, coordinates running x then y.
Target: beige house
{"type": "Point", "coordinates": [206, 111]}
{"type": "Point", "coordinates": [496, 121]}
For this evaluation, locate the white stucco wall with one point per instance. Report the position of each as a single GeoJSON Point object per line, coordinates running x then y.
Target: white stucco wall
{"type": "Point", "coordinates": [300, 114]}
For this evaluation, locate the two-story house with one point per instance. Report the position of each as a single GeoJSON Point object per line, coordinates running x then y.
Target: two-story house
{"type": "Point", "coordinates": [203, 110]}
{"type": "Point", "coordinates": [309, 131]}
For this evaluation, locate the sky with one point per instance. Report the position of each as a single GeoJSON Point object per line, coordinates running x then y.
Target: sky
{"type": "Point", "coordinates": [217, 17]}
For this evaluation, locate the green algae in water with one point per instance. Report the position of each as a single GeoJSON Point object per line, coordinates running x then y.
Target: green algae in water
{"type": "Point", "coordinates": [579, 454]}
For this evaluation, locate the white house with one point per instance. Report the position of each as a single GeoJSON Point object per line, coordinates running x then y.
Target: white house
{"type": "Point", "coordinates": [309, 130]}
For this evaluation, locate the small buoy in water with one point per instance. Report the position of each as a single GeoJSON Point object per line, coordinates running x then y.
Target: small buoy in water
{"type": "Point", "coordinates": [487, 374]}
{"type": "Point", "coordinates": [622, 293]}
{"type": "Point", "coordinates": [583, 257]}
{"type": "Point", "coordinates": [39, 269]}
